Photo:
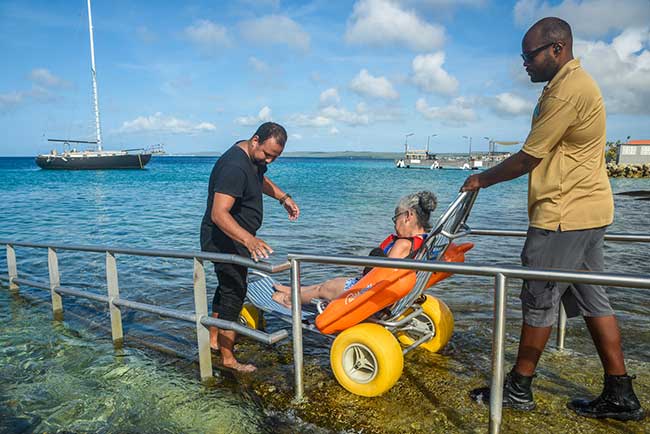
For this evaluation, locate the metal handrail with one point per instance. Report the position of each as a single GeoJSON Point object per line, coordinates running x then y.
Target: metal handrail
{"type": "Point", "coordinates": [633, 238]}
{"type": "Point", "coordinates": [500, 274]}
{"type": "Point", "coordinates": [562, 318]}
{"type": "Point", "coordinates": [199, 316]}
{"type": "Point", "coordinates": [176, 254]}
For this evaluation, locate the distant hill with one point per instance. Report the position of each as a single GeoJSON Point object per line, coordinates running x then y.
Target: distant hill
{"type": "Point", "coordinates": [344, 154]}
{"type": "Point", "coordinates": [320, 154]}
{"type": "Point", "coordinates": [306, 154]}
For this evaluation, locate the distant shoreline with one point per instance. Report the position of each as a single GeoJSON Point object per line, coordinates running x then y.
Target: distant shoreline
{"type": "Point", "coordinates": [299, 154]}
{"type": "Point", "coordinates": [315, 154]}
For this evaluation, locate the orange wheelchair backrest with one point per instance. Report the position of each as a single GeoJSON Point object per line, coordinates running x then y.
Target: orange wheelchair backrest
{"type": "Point", "coordinates": [378, 289]}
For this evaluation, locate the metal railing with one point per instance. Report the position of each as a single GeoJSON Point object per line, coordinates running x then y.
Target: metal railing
{"type": "Point", "coordinates": [200, 317]}
{"type": "Point", "coordinates": [562, 318]}
{"type": "Point", "coordinates": [500, 274]}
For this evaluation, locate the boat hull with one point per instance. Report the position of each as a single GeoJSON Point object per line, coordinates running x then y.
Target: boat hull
{"type": "Point", "coordinates": [439, 164]}
{"type": "Point", "coordinates": [103, 162]}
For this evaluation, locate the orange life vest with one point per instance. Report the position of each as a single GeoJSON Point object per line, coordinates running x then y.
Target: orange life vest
{"type": "Point", "coordinates": [416, 243]}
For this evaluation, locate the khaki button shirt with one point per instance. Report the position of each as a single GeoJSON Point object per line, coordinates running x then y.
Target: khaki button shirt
{"type": "Point", "coordinates": [569, 189]}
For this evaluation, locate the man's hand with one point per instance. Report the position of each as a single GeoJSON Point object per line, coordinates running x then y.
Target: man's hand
{"type": "Point", "coordinates": [292, 209]}
{"type": "Point", "coordinates": [472, 183]}
{"type": "Point", "coordinates": [258, 248]}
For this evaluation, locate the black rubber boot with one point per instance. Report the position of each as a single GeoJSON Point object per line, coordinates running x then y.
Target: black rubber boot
{"type": "Point", "coordinates": [517, 392]}
{"type": "Point", "coordinates": [617, 401]}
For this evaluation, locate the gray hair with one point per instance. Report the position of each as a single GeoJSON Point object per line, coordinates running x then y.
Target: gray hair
{"type": "Point", "coordinates": [422, 203]}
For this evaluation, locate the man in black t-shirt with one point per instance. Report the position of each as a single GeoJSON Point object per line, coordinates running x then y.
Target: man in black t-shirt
{"type": "Point", "coordinates": [232, 217]}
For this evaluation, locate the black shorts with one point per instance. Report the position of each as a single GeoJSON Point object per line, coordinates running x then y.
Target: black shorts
{"type": "Point", "coordinates": [229, 296]}
{"type": "Point", "coordinates": [571, 250]}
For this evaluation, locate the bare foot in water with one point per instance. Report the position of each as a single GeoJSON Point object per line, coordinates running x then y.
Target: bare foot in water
{"type": "Point", "coordinates": [214, 333]}
{"type": "Point", "coordinates": [282, 288]}
{"type": "Point", "coordinates": [239, 367]}
{"type": "Point", "coordinates": [282, 297]}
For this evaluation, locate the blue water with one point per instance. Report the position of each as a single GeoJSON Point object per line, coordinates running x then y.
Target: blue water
{"type": "Point", "coordinates": [346, 207]}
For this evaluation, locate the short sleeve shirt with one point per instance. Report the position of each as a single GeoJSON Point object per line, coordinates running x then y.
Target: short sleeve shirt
{"type": "Point", "coordinates": [234, 174]}
{"type": "Point", "coordinates": [569, 189]}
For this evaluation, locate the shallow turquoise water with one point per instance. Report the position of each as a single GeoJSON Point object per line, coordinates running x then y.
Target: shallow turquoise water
{"type": "Point", "coordinates": [56, 376]}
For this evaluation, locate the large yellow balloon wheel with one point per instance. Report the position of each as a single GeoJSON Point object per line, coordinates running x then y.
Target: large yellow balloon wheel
{"type": "Point", "coordinates": [252, 317]}
{"type": "Point", "coordinates": [435, 316]}
{"type": "Point", "coordinates": [366, 359]}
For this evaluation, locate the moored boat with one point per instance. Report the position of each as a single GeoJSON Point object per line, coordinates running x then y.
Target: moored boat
{"type": "Point", "coordinates": [98, 158]}
{"type": "Point", "coordinates": [93, 160]}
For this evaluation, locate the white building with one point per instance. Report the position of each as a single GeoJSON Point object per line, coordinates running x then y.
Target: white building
{"type": "Point", "coordinates": [634, 152]}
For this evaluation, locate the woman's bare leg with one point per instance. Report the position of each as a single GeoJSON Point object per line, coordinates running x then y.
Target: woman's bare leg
{"type": "Point", "coordinates": [328, 290]}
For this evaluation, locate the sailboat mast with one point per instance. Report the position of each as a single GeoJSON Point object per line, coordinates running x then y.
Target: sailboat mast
{"type": "Point", "coordinates": [98, 127]}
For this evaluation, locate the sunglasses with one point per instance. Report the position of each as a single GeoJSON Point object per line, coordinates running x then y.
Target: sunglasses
{"type": "Point", "coordinates": [396, 216]}
{"type": "Point", "coordinates": [529, 56]}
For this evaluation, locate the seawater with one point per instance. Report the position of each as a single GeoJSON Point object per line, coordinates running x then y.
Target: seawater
{"type": "Point", "coordinates": [66, 375]}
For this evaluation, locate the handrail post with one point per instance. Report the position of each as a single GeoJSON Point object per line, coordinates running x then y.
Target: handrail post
{"type": "Point", "coordinates": [561, 327]}
{"type": "Point", "coordinates": [12, 268]}
{"type": "Point", "coordinates": [114, 294]}
{"type": "Point", "coordinates": [201, 311]}
{"type": "Point", "coordinates": [296, 315]}
{"type": "Point", "coordinates": [498, 341]}
{"type": "Point", "coordinates": [55, 281]}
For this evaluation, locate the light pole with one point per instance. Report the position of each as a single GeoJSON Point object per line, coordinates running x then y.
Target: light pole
{"type": "Point", "coordinates": [406, 141]}
{"type": "Point", "coordinates": [470, 145]}
{"type": "Point", "coordinates": [428, 139]}
{"type": "Point", "coordinates": [490, 145]}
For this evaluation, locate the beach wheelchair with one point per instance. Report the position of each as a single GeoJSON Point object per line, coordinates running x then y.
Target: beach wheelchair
{"type": "Point", "coordinates": [385, 315]}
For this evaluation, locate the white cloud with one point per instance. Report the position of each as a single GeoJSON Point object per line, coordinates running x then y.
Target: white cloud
{"type": "Point", "coordinates": [429, 75]}
{"type": "Point", "coordinates": [44, 77]}
{"type": "Point", "coordinates": [208, 36]}
{"type": "Point", "coordinates": [588, 18]}
{"type": "Point", "coordinates": [329, 96]}
{"type": "Point", "coordinates": [382, 22]}
{"type": "Point", "coordinates": [507, 104]}
{"type": "Point", "coordinates": [345, 116]}
{"type": "Point", "coordinates": [330, 114]}
{"type": "Point", "coordinates": [264, 115]}
{"type": "Point", "coordinates": [10, 100]}
{"type": "Point", "coordinates": [14, 99]}
{"type": "Point", "coordinates": [334, 131]}
{"type": "Point", "coordinates": [376, 87]}
{"type": "Point", "coordinates": [276, 30]}
{"type": "Point", "coordinates": [431, 4]}
{"type": "Point", "coordinates": [296, 136]}
{"type": "Point", "coordinates": [258, 65]}
{"type": "Point", "coordinates": [303, 120]}
{"type": "Point", "coordinates": [457, 114]}
{"type": "Point", "coordinates": [621, 69]}
{"type": "Point", "coordinates": [164, 124]}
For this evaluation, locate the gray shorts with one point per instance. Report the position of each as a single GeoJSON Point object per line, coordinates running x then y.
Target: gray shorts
{"type": "Point", "coordinates": [571, 250]}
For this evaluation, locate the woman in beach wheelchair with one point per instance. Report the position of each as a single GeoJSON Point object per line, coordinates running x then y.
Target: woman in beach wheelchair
{"type": "Point", "coordinates": [411, 222]}
{"type": "Point", "coordinates": [384, 314]}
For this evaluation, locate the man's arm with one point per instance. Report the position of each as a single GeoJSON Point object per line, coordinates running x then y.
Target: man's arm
{"type": "Point", "coordinates": [220, 215]}
{"type": "Point", "coordinates": [270, 189]}
{"type": "Point", "coordinates": [511, 168]}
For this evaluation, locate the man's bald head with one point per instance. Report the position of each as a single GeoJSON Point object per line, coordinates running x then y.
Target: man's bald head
{"type": "Point", "coordinates": [546, 47]}
{"type": "Point", "coordinates": [551, 29]}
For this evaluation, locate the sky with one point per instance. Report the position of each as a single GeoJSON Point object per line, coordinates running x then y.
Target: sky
{"type": "Point", "coordinates": [339, 75]}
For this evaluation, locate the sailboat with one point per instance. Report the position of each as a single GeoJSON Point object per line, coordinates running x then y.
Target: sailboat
{"type": "Point", "coordinates": [96, 158]}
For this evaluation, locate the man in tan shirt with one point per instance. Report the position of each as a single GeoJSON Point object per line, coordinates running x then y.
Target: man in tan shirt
{"type": "Point", "coordinates": [569, 206]}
